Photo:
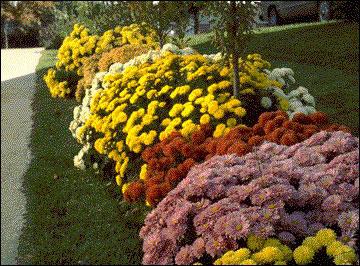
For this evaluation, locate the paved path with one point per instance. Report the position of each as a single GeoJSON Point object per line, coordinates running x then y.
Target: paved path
{"type": "Point", "coordinates": [17, 90]}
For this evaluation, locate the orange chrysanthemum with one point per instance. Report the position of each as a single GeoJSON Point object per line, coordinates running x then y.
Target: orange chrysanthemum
{"type": "Point", "coordinates": [134, 192]}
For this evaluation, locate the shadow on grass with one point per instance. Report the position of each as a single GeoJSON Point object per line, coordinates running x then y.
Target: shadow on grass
{"type": "Point", "coordinates": [70, 217]}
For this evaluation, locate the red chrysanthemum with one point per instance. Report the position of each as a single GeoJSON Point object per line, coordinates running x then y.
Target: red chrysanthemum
{"type": "Point", "coordinates": [255, 140]}
{"type": "Point", "coordinates": [289, 138]}
{"type": "Point", "coordinates": [134, 191]}
{"type": "Point", "coordinates": [301, 118]}
{"type": "Point", "coordinates": [154, 194]}
{"type": "Point", "coordinates": [173, 176]}
{"type": "Point", "coordinates": [239, 148]}
{"type": "Point", "coordinates": [265, 117]}
{"type": "Point", "coordinates": [279, 120]}
{"type": "Point", "coordinates": [198, 137]}
{"type": "Point", "coordinates": [319, 118]}
{"type": "Point", "coordinates": [258, 129]}
{"type": "Point", "coordinates": [269, 127]}
{"type": "Point", "coordinates": [277, 134]}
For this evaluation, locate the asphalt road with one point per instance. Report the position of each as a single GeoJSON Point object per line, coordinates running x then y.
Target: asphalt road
{"type": "Point", "coordinates": [17, 90]}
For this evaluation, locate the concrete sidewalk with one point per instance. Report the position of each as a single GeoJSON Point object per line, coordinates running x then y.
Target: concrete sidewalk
{"type": "Point", "coordinates": [17, 89]}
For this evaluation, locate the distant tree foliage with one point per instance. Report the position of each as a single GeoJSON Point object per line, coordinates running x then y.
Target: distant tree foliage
{"type": "Point", "coordinates": [163, 16]}
{"type": "Point", "coordinates": [232, 23]}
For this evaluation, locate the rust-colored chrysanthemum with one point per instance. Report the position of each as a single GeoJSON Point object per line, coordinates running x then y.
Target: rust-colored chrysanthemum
{"type": "Point", "coordinates": [198, 137]}
{"type": "Point", "coordinates": [255, 140]}
{"type": "Point", "coordinates": [258, 130]}
{"type": "Point", "coordinates": [269, 127]}
{"type": "Point", "coordinates": [239, 148]}
{"type": "Point", "coordinates": [134, 191]}
{"type": "Point", "coordinates": [288, 139]}
{"type": "Point", "coordinates": [319, 118]}
{"type": "Point", "coordinates": [302, 118]}
{"type": "Point", "coordinates": [279, 120]}
{"type": "Point", "coordinates": [154, 194]}
{"type": "Point", "coordinates": [265, 117]}
{"type": "Point", "coordinates": [277, 134]}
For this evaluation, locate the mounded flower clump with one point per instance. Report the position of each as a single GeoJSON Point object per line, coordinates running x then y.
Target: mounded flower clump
{"type": "Point", "coordinates": [141, 102]}
{"type": "Point", "coordinates": [169, 161]}
{"type": "Point", "coordinates": [287, 192]}
{"type": "Point", "coordinates": [322, 248]}
{"type": "Point", "coordinates": [80, 45]}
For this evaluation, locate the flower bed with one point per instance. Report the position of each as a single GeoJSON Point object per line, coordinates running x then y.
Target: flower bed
{"type": "Point", "coordinates": [169, 161]}
{"type": "Point", "coordinates": [259, 179]}
{"type": "Point", "coordinates": [287, 192]}
{"type": "Point", "coordinates": [134, 105]}
{"type": "Point", "coordinates": [79, 46]}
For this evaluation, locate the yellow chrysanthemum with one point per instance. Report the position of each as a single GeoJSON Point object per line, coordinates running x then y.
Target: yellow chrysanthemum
{"type": "Point", "coordinates": [303, 255]}
{"type": "Point", "coordinates": [325, 236]}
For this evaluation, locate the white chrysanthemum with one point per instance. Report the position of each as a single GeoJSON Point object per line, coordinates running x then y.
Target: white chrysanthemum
{"type": "Point", "coordinates": [77, 134]}
{"type": "Point", "coordinates": [310, 109]}
{"type": "Point", "coordinates": [279, 93]}
{"type": "Point", "coordinates": [293, 93]}
{"type": "Point", "coordinates": [187, 51]}
{"type": "Point", "coordinates": [302, 90]}
{"type": "Point", "coordinates": [301, 110]}
{"type": "Point", "coordinates": [266, 102]}
{"type": "Point", "coordinates": [294, 104]}
{"type": "Point", "coordinates": [267, 71]}
{"type": "Point", "coordinates": [308, 98]}
{"type": "Point", "coordinates": [116, 68]}
{"type": "Point", "coordinates": [73, 126]}
{"type": "Point", "coordinates": [287, 71]}
{"type": "Point", "coordinates": [217, 57]}
{"type": "Point", "coordinates": [169, 47]}
{"type": "Point", "coordinates": [76, 112]}
{"type": "Point", "coordinates": [213, 57]}
{"type": "Point", "coordinates": [95, 166]}
{"type": "Point", "coordinates": [291, 78]}
{"type": "Point", "coordinates": [281, 80]}
{"type": "Point", "coordinates": [86, 147]}
{"type": "Point", "coordinates": [79, 162]}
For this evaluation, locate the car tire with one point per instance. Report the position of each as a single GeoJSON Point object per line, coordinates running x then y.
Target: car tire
{"type": "Point", "coordinates": [324, 11]}
{"type": "Point", "coordinates": [273, 17]}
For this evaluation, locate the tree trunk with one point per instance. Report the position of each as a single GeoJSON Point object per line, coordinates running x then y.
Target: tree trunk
{"type": "Point", "coordinates": [6, 40]}
{"type": "Point", "coordinates": [234, 49]}
{"type": "Point", "coordinates": [235, 62]}
{"type": "Point", "coordinates": [6, 25]}
{"type": "Point", "coordinates": [196, 21]}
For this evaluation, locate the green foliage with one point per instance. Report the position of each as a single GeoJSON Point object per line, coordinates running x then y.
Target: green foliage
{"type": "Point", "coordinates": [232, 23]}
{"type": "Point", "coordinates": [97, 16]}
{"type": "Point", "coordinates": [162, 16]}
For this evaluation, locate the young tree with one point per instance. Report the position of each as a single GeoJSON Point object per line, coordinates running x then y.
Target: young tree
{"type": "Point", "coordinates": [162, 16]}
{"type": "Point", "coordinates": [232, 23]}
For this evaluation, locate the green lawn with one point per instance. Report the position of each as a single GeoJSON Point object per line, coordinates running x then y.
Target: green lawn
{"type": "Point", "coordinates": [324, 56]}
{"type": "Point", "coordinates": [73, 217]}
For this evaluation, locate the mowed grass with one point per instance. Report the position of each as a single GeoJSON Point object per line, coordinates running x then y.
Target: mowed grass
{"type": "Point", "coordinates": [324, 57]}
{"type": "Point", "coordinates": [72, 216]}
